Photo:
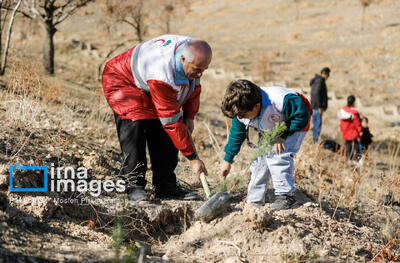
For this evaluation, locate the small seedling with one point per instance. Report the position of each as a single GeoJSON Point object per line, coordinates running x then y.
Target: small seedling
{"type": "Point", "coordinates": [267, 140]}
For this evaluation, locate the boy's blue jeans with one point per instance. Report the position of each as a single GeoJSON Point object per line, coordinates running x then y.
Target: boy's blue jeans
{"type": "Point", "coordinates": [279, 167]}
{"type": "Point", "coordinates": [317, 123]}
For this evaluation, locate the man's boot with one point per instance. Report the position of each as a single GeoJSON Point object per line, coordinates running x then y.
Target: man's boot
{"type": "Point", "coordinates": [137, 193]}
{"type": "Point", "coordinates": [174, 191]}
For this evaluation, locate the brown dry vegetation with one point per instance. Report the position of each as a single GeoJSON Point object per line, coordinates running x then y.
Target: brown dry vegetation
{"type": "Point", "coordinates": [64, 119]}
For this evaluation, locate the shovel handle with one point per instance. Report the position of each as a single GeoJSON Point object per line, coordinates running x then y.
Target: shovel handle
{"type": "Point", "coordinates": [205, 185]}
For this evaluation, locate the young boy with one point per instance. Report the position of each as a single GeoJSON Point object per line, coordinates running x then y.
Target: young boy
{"type": "Point", "coordinates": [366, 136]}
{"type": "Point", "coordinates": [261, 108]}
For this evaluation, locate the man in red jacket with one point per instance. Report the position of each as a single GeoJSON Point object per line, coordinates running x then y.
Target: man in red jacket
{"type": "Point", "coordinates": [154, 91]}
{"type": "Point", "coordinates": [351, 128]}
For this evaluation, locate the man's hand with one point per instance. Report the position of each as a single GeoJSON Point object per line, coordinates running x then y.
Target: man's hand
{"type": "Point", "coordinates": [280, 146]}
{"type": "Point", "coordinates": [225, 168]}
{"type": "Point", "coordinates": [198, 167]}
{"type": "Point", "coordinates": [189, 125]}
{"type": "Point", "coordinates": [320, 111]}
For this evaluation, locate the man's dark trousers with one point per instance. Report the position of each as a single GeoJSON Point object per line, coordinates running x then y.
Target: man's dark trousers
{"type": "Point", "coordinates": [133, 137]}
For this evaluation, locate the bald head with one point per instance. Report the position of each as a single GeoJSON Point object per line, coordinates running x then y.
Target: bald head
{"type": "Point", "coordinates": [196, 56]}
{"type": "Point", "coordinates": [201, 49]}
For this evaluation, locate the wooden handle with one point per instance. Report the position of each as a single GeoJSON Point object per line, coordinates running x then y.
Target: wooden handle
{"type": "Point", "coordinates": [205, 185]}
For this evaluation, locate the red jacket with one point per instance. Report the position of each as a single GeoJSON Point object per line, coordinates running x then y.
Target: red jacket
{"type": "Point", "coordinates": [130, 102]}
{"type": "Point", "coordinates": [350, 123]}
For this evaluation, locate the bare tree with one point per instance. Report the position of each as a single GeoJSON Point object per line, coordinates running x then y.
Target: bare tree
{"type": "Point", "coordinates": [140, 14]}
{"type": "Point", "coordinates": [1, 22]}
{"type": "Point", "coordinates": [4, 11]}
{"type": "Point", "coordinates": [135, 13]}
{"type": "Point", "coordinates": [364, 4]}
{"type": "Point", "coordinates": [50, 13]}
{"type": "Point", "coordinates": [8, 38]}
{"type": "Point", "coordinates": [172, 9]}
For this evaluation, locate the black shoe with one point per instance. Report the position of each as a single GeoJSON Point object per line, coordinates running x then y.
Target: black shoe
{"type": "Point", "coordinates": [175, 192]}
{"type": "Point", "coordinates": [283, 202]}
{"type": "Point", "coordinates": [137, 194]}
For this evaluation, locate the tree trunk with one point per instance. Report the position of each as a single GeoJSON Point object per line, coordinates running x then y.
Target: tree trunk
{"type": "Point", "coordinates": [1, 29]}
{"type": "Point", "coordinates": [48, 47]}
{"type": "Point", "coordinates": [168, 23]}
{"type": "Point", "coordinates": [139, 33]}
{"type": "Point", "coordinates": [9, 32]}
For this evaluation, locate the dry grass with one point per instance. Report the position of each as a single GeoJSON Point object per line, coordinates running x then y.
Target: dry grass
{"type": "Point", "coordinates": [354, 194]}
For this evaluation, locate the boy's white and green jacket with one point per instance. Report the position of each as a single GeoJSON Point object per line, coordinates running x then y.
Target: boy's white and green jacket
{"type": "Point", "coordinates": [278, 104]}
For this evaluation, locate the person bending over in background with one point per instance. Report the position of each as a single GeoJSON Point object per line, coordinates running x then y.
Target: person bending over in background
{"type": "Point", "coordinates": [147, 86]}
{"type": "Point", "coordinates": [319, 100]}
{"type": "Point", "coordinates": [261, 108]}
{"type": "Point", "coordinates": [350, 126]}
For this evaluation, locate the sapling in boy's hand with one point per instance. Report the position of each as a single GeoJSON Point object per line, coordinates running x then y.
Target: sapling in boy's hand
{"type": "Point", "coordinates": [269, 138]}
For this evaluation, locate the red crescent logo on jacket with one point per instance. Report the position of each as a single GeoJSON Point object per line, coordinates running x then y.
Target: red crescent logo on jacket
{"type": "Point", "coordinates": [159, 40]}
{"type": "Point", "coordinates": [274, 118]}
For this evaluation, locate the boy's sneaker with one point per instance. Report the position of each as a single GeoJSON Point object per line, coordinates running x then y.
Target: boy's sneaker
{"type": "Point", "coordinates": [137, 193]}
{"type": "Point", "coordinates": [283, 202]}
{"type": "Point", "coordinates": [175, 192]}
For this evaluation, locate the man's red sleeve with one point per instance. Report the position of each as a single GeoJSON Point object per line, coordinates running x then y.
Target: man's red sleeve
{"type": "Point", "coordinates": [167, 105]}
{"type": "Point", "coordinates": [191, 106]}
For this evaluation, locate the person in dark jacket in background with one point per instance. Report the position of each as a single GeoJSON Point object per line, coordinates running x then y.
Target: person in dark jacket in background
{"type": "Point", "coordinates": [319, 100]}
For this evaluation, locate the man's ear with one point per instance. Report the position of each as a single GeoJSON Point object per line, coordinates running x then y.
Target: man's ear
{"type": "Point", "coordinates": [182, 59]}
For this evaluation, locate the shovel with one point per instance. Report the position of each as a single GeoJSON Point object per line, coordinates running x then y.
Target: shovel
{"type": "Point", "coordinates": [215, 206]}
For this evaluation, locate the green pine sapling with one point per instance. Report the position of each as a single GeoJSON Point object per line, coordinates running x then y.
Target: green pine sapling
{"type": "Point", "coordinates": [267, 140]}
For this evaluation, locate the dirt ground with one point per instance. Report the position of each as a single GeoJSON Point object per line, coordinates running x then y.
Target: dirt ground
{"type": "Point", "coordinates": [347, 214]}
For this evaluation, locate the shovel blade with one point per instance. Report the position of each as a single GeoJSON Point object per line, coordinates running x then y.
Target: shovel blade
{"type": "Point", "coordinates": [215, 206]}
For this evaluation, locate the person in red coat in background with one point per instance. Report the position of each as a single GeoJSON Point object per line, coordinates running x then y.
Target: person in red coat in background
{"type": "Point", "coordinates": [154, 91]}
{"type": "Point", "coordinates": [350, 126]}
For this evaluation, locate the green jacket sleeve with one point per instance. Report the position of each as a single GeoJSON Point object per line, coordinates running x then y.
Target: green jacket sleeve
{"type": "Point", "coordinates": [297, 114]}
{"type": "Point", "coordinates": [236, 137]}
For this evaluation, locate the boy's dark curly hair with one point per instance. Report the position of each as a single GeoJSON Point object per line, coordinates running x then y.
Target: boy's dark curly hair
{"type": "Point", "coordinates": [240, 97]}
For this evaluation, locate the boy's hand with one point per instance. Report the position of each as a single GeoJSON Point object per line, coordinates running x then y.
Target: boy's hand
{"type": "Point", "coordinates": [225, 168]}
{"type": "Point", "coordinates": [198, 167]}
{"type": "Point", "coordinates": [280, 146]}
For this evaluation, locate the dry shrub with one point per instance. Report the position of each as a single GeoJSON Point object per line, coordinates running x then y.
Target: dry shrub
{"type": "Point", "coordinates": [26, 81]}
{"type": "Point", "coordinates": [330, 178]}
{"type": "Point", "coordinates": [23, 94]}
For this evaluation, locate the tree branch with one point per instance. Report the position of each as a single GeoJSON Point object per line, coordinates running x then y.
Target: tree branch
{"type": "Point", "coordinates": [61, 9]}
{"type": "Point", "coordinates": [70, 12]}
{"type": "Point", "coordinates": [32, 8]}
{"type": "Point", "coordinates": [128, 22]}
{"type": "Point", "coordinates": [8, 8]}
